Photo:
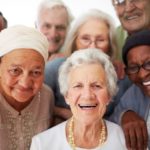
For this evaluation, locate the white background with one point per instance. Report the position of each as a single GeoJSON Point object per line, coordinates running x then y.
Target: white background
{"type": "Point", "coordinates": [24, 11]}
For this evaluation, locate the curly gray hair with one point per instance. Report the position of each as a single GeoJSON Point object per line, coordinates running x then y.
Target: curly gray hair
{"type": "Point", "coordinates": [88, 56]}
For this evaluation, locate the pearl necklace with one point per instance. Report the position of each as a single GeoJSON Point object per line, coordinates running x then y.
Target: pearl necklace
{"type": "Point", "coordinates": [102, 138]}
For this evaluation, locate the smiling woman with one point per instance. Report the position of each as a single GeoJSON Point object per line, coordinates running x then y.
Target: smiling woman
{"type": "Point", "coordinates": [24, 11]}
{"type": "Point", "coordinates": [88, 82]}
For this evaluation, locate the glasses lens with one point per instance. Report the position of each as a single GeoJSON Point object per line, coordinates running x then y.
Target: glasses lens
{"type": "Point", "coordinates": [132, 70]}
{"type": "Point", "coordinates": [84, 40]}
{"type": "Point", "coordinates": [146, 65]}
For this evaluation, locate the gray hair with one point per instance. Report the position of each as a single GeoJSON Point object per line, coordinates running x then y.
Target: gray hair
{"type": "Point", "coordinates": [49, 4]}
{"type": "Point", "coordinates": [69, 46]}
{"type": "Point", "coordinates": [88, 56]}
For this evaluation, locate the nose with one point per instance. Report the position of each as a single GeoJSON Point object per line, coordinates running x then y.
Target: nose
{"type": "Point", "coordinates": [142, 73]}
{"type": "Point", "coordinates": [92, 45]}
{"type": "Point", "coordinates": [87, 93]}
{"type": "Point", "coordinates": [53, 32]}
{"type": "Point", "coordinates": [25, 81]}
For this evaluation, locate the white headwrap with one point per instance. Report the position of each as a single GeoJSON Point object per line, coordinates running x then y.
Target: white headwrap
{"type": "Point", "coordinates": [20, 36]}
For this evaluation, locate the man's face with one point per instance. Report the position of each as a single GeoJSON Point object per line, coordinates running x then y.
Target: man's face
{"type": "Point", "coordinates": [53, 24]}
{"type": "Point", "coordinates": [142, 77]}
{"type": "Point", "coordinates": [134, 15]}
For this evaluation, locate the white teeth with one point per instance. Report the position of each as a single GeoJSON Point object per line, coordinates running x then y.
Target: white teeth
{"type": "Point", "coordinates": [146, 83]}
{"type": "Point", "coordinates": [87, 106]}
{"type": "Point", "coordinates": [132, 17]}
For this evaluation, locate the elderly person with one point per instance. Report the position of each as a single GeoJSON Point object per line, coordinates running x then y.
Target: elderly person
{"type": "Point", "coordinates": [26, 104]}
{"type": "Point", "coordinates": [137, 97]}
{"type": "Point", "coordinates": [94, 29]}
{"type": "Point", "coordinates": [134, 16]}
{"type": "Point", "coordinates": [53, 20]}
{"type": "Point", "coordinates": [88, 82]}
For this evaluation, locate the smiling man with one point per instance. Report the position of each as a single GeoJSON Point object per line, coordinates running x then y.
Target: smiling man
{"type": "Point", "coordinates": [134, 15]}
{"type": "Point", "coordinates": [137, 97]}
{"type": "Point", "coordinates": [53, 20]}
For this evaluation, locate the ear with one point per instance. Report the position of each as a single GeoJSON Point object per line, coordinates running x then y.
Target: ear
{"type": "Point", "coordinates": [67, 99]}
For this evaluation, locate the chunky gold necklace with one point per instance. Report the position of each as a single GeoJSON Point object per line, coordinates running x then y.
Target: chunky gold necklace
{"type": "Point", "coordinates": [102, 138]}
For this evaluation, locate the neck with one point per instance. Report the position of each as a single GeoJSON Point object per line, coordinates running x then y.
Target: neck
{"type": "Point", "coordinates": [86, 136]}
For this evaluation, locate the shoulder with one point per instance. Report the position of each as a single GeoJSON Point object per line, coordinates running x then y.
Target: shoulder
{"type": "Point", "coordinates": [52, 132]}
{"type": "Point", "coordinates": [55, 63]}
{"type": "Point", "coordinates": [133, 92]}
{"type": "Point", "coordinates": [51, 136]}
{"type": "Point", "coordinates": [114, 130]}
{"type": "Point", "coordinates": [112, 125]}
{"type": "Point", "coordinates": [46, 91]}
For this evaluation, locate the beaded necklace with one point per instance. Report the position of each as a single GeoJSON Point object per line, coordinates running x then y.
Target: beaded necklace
{"type": "Point", "coordinates": [102, 138]}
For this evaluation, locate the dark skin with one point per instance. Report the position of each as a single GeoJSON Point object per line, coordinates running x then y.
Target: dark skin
{"type": "Point", "coordinates": [135, 131]}
{"type": "Point", "coordinates": [133, 125]}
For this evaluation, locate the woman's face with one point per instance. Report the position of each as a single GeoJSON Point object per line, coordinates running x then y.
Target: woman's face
{"type": "Point", "coordinates": [87, 94]}
{"type": "Point", "coordinates": [21, 74]}
{"type": "Point", "coordinates": [93, 34]}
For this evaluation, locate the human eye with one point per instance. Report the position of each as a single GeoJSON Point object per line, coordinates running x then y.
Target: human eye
{"type": "Point", "coordinates": [36, 73]}
{"type": "Point", "coordinates": [132, 69]}
{"type": "Point", "coordinates": [77, 86]}
{"type": "Point", "coordinates": [96, 86]}
{"type": "Point", "coordinates": [99, 40]}
{"type": "Point", "coordinates": [61, 27]}
{"type": "Point", "coordinates": [46, 25]}
{"type": "Point", "coordinates": [15, 71]}
{"type": "Point", "coordinates": [147, 65]}
{"type": "Point", "coordinates": [85, 38]}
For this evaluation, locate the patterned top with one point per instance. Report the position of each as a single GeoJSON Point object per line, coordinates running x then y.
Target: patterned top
{"type": "Point", "coordinates": [17, 129]}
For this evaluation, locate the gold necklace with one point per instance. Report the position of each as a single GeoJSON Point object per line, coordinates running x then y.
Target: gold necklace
{"type": "Point", "coordinates": [102, 138]}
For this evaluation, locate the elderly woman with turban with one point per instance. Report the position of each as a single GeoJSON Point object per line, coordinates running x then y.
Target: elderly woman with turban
{"type": "Point", "coordinates": [26, 104]}
{"type": "Point", "coordinates": [88, 82]}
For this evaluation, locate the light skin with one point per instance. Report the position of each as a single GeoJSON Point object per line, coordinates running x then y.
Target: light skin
{"type": "Point", "coordinates": [94, 30]}
{"type": "Point", "coordinates": [21, 78]}
{"type": "Point", "coordinates": [53, 24]}
{"type": "Point", "coordinates": [134, 16]}
{"type": "Point", "coordinates": [87, 97]}
{"type": "Point", "coordinates": [97, 30]}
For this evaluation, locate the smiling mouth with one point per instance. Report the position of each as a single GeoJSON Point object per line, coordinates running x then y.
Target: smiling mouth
{"type": "Point", "coordinates": [146, 83]}
{"type": "Point", "coordinates": [87, 106]}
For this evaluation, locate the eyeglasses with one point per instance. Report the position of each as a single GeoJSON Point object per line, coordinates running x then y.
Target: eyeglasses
{"type": "Point", "coordinates": [135, 69]}
{"type": "Point", "coordinates": [86, 41]}
{"type": "Point", "coordinates": [123, 2]}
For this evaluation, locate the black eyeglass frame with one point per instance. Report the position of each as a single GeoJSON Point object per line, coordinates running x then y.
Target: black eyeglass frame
{"type": "Point", "coordinates": [145, 66]}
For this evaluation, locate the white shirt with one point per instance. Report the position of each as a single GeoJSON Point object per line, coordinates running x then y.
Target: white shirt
{"type": "Point", "coordinates": [55, 139]}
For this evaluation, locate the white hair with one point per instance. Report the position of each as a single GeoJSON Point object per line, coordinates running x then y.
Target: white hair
{"type": "Point", "coordinates": [69, 45]}
{"type": "Point", "coordinates": [49, 4]}
{"type": "Point", "coordinates": [88, 56]}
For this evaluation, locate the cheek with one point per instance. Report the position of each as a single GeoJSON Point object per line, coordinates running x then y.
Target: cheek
{"type": "Point", "coordinates": [7, 83]}
{"type": "Point", "coordinates": [103, 98]}
{"type": "Point", "coordinates": [38, 84]}
{"type": "Point", "coordinates": [72, 97]}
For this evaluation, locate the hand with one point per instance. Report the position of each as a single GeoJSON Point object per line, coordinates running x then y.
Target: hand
{"type": "Point", "coordinates": [135, 131]}
{"type": "Point", "coordinates": [119, 67]}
